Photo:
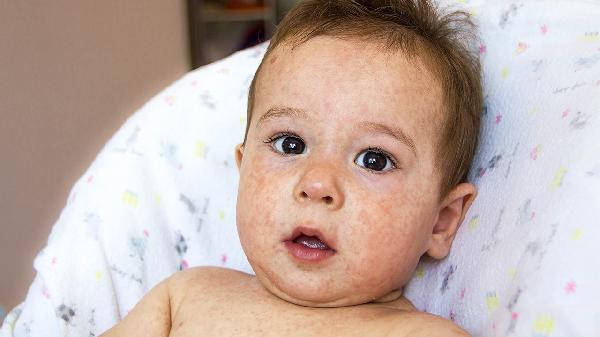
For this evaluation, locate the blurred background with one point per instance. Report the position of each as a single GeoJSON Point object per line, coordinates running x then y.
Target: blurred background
{"type": "Point", "coordinates": [71, 72]}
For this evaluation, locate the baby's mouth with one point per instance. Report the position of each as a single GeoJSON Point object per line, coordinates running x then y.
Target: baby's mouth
{"type": "Point", "coordinates": [310, 238]}
{"type": "Point", "coordinates": [308, 245]}
{"type": "Point", "coordinates": [311, 242]}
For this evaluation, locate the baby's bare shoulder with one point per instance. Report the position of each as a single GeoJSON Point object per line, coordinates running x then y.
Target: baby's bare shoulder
{"type": "Point", "coordinates": [421, 324]}
{"type": "Point", "coordinates": [206, 276]}
{"type": "Point", "coordinates": [198, 279]}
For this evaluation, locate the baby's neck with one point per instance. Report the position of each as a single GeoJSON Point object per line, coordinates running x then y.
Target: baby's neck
{"type": "Point", "coordinates": [393, 299]}
{"type": "Point", "coordinates": [392, 296]}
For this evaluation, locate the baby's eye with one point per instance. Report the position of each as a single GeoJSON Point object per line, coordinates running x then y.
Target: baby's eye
{"type": "Point", "coordinates": [375, 160]}
{"type": "Point", "coordinates": [287, 144]}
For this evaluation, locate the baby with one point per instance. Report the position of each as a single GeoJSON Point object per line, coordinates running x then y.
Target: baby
{"type": "Point", "coordinates": [363, 120]}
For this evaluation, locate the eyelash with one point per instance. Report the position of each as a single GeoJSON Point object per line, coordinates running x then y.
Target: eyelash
{"type": "Point", "coordinates": [386, 154]}
{"type": "Point", "coordinates": [289, 133]}
{"type": "Point", "coordinates": [286, 133]}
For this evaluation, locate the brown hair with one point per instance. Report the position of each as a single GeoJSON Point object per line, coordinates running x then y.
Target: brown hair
{"type": "Point", "coordinates": [414, 27]}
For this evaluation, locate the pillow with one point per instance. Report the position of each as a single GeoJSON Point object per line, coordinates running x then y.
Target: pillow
{"type": "Point", "coordinates": [160, 197]}
{"type": "Point", "coordinates": [518, 265]}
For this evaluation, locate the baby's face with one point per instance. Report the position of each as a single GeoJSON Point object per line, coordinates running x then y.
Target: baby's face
{"type": "Point", "coordinates": [338, 193]}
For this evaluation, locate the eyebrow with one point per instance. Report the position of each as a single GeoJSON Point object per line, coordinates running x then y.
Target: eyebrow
{"type": "Point", "coordinates": [395, 133]}
{"type": "Point", "coordinates": [281, 111]}
{"type": "Point", "coordinates": [289, 112]}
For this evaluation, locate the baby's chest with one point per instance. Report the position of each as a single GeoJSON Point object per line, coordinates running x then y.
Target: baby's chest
{"type": "Point", "coordinates": [236, 317]}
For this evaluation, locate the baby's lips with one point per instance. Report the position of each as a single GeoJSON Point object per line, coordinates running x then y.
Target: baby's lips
{"type": "Point", "coordinates": [311, 231]}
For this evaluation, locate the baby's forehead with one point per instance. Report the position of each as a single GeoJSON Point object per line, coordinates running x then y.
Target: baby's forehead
{"type": "Point", "coordinates": [365, 80]}
{"type": "Point", "coordinates": [348, 50]}
{"type": "Point", "coordinates": [352, 60]}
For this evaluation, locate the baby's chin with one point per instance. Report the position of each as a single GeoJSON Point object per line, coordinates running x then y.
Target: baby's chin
{"type": "Point", "coordinates": [284, 290]}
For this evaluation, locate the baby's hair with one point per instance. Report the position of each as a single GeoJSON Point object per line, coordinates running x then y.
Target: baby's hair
{"type": "Point", "coordinates": [444, 42]}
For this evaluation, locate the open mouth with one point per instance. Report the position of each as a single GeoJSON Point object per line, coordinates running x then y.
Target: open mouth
{"type": "Point", "coordinates": [309, 245]}
{"type": "Point", "coordinates": [311, 242]}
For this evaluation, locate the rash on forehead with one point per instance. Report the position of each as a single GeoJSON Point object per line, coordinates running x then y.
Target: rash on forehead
{"type": "Point", "coordinates": [353, 55]}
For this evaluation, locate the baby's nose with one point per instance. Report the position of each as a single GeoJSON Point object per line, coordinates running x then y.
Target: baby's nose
{"type": "Point", "coordinates": [320, 185]}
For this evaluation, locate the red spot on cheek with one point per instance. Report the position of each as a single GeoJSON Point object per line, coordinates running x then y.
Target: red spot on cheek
{"type": "Point", "coordinates": [273, 59]}
{"type": "Point", "coordinates": [260, 182]}
{"type": "Point", "coordinates": [255, 178]}
{"type": "Point", "coordinates": [363, 215]}
{"type": "Point", "coordinates": [366, 221]}
{"type": "Point", "coordinates": [268, 216]}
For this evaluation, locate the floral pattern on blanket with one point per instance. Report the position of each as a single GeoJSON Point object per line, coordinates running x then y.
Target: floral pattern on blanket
{"type": "Point", "coordinates": [160, 197]}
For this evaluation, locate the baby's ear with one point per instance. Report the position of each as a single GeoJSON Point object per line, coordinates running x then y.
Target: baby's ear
{"type": "Point", "coordinates": [239, 153]}
{"type": "Point", "coordinates": [451, 214]}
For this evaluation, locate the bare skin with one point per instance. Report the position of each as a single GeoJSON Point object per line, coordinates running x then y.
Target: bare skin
{"type": "Point", "coordinates": [319, 110]}
{"type": "Point", "coordinates": [209, 301]}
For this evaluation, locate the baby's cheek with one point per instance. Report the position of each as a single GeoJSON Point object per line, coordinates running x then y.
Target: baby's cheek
{"type": "Point", "coordinates": [251, 187]}
{"type": "Point", "coordinates": [256, 205]}
{"type": "Point", "coordinates": [387, 236]}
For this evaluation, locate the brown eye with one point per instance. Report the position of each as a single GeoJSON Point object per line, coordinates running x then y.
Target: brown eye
{"type": "Point", "coordinates": [375, 161]}
{"type": "Point", "coordinates": [289, 145]}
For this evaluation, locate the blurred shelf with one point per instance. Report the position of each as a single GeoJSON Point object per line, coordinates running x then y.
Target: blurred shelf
{"type": "Point", "coordinates": [218, 28]}
{"type": "Point", "coordinates": [215, 14]}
